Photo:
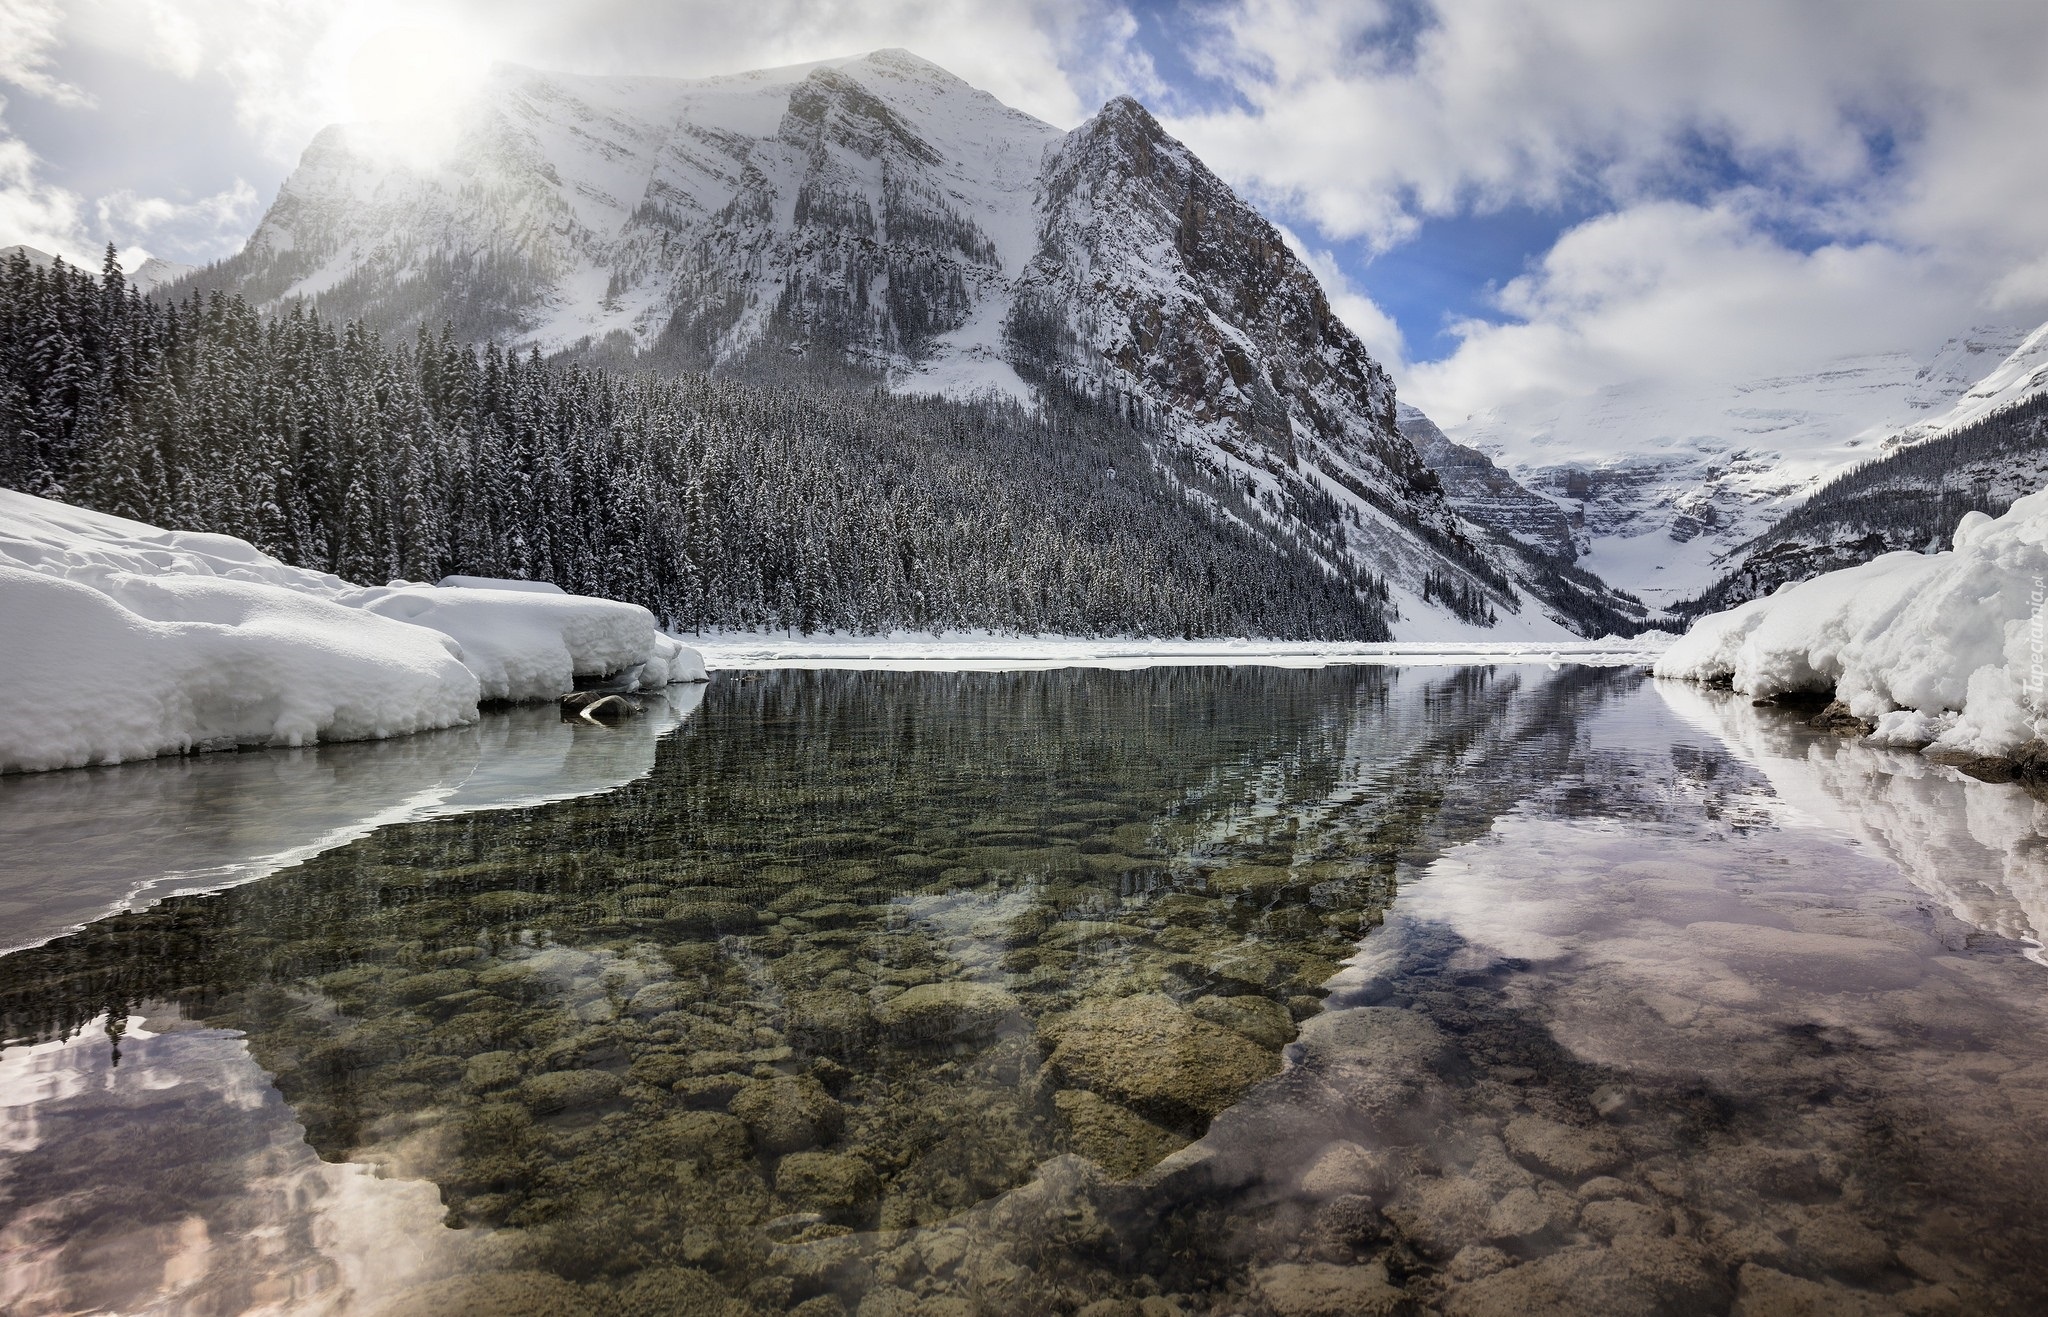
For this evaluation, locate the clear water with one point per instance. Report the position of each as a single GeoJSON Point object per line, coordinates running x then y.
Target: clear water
{"type": "Point", "coordinates": [1476, 990]}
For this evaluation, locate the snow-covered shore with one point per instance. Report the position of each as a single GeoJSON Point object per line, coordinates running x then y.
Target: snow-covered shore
{"type": "Point", "coordinates": [122, 641]}
{"type": "Point", "coordinates": [981, 652]}
{"type": "Point", "coordinates": [1942, 651]}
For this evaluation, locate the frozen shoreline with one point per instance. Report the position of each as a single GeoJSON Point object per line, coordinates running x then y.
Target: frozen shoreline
{"type": "Point", "coordinates": [984, 653]}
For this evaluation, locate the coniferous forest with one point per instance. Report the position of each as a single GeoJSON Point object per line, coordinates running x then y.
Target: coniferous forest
{"type": "Point", "coordinates": [715, 501]}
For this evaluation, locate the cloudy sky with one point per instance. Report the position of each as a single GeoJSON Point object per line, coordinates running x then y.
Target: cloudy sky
{"type": "Point", "coordinates": [1505, 197]}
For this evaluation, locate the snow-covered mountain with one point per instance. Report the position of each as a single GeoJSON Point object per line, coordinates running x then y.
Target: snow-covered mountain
{"type": "Point", "coordinates": [1988, 450]}
{"type": "Point", "coordinates": [1662, 483]}
{"type": "Point", "coordinates": [152, 274]}
{"type": "Point", "coordinates": [156, 272]}
{"type": "Point", "coordinates": [879, 213]}
{"type": "Point", "coordinates": [2023, 375]}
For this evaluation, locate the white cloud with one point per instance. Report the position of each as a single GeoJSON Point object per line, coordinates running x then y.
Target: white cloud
{"type": "Point", "coordinates": [138, 224]}
{"type": "Point", "coordinates": [32, 210]}
{"type": "Point", "coordinates": [1900, 143]}
{"type": "Point", "coordinates": [30, 31]}
{"type": "Point", "coordinates": [1682, 294]}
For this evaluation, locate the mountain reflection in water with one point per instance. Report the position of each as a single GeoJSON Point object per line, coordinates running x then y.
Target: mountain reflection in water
{"type": "Point", "coordinates": [1007, 992]}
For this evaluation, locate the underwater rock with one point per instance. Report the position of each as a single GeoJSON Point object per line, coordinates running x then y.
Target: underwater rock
{"type": "Point", "coordinates": [489, 1070]}
{"type": "Point", "coordinates": [937, 1012]}
{"type": "Point", "coordinates": [1115, 1138]}
{"type": "Point", "coordinates": [1439, 1216]}
{"type": "Point", "coordinates": [1646, 1276]}
{"type": "Point", "coordinates": [1264, 1021]}
{"type": "Point", "coordinates": [497, 1294]}
{"type": "Point", "coordinates": [564, 1090]}
{"type": "Point", "coordinates": [1838, 1243]}
{"type": "Point", "coordinates": [675, 1292]}
{"type": "Point", "coordinates": [1614, 1219]}
{"type": "Point", "coordinates": [843, 1188]}
{"type": "Point", "coordinates": [1326, 1289]}
{"type": "Point", "coordinates": [788, 1114]}
{"type": "Point", "coordinates": [1148, 1054]}
{"type": "Point", "coordinates": [1565, 1151]}
{"type": "Point", "coordinates": [830, 1020]}
{"type": "Point", "coordinates": [1764, 1292]}
{"type": "Point", "coordinates": [1348, 1168]}
{"type": "Point", "coordinates": [415, 989]}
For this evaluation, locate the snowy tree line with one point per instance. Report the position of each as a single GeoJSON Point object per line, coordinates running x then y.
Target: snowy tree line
{"type": "Point", "coordinates": [1909, 499]}
{"type": "Point", "coordinates": [713, 501]}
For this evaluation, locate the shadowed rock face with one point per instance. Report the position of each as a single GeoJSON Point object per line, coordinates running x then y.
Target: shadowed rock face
{"type": "Point", "coordinates": [1487, 495]}
{"type": "Point", "coordinates": [1198, 304]}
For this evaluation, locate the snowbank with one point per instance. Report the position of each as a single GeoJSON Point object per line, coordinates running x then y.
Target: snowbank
{"type": "Point", "coordinates": [525, 646]}
{"type": "Point", "coordinates": [1947, 647]}
{"type": "Point", "coordinates": [122, 641]}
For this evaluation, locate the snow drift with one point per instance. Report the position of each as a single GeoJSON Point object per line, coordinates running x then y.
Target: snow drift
{"type": "Point", "coordinates": [123, 641]}
{"type": "Point", "coordinates": [1943, 651]}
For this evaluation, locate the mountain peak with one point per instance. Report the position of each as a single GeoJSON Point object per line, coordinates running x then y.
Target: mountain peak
{"type": "Point", "coordinates": [877, 214]}
{"type": "Point", "coordinates": [899, 60]}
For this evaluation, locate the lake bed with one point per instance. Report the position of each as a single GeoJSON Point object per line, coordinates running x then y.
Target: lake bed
{"type": "Point", "coordinates": [1476, 989]}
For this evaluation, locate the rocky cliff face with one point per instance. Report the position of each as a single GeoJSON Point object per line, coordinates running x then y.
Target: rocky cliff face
{"type": "Point", "coordinates": [1486, 495]}
{"type": "Point", "coordinates": [879, 215]}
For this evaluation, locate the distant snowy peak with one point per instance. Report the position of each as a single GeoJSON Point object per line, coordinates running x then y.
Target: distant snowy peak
{"type": "Point", "coordinates": [2023, 374]}
{"type": "Point", "coordinates": [1664, 481]}
{"type": "Point", "coordinates": [156, 273]}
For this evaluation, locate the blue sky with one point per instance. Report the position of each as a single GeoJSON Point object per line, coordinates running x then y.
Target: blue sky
{"type": "Point", "coordinates": [1444, 272]}
{"type": "Point", "coordinates": [1508, 199]}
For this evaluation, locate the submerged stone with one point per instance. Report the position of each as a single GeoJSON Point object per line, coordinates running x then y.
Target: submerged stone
{"type": "Point", "coordinates": [1116, 1138]}
{"type": "Point", "coordinates": [839, 1186]}
{"type": "Point", "coordinates": [1327, 1289]}
{"type": "Point", "coordinates": [1148, 1054]}
{"type": "Point", "coordinates": [788, 1114]}
{"type": "Point", "coordinates": [1565, 1151]}
{"type": "Point", "coordinates": [563, 1090]}
{"type": "Point", "coordinates": [1264, 1021]}
{"type": "Point", "coordinates": [934, 1012]}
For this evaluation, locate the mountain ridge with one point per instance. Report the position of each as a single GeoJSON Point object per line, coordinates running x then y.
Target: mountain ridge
{"type": "Point", "coordinates": [879, 216]}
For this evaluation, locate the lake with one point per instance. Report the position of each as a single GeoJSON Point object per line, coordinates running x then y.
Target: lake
{"type": "Point", "coordinates": [1487, 989]}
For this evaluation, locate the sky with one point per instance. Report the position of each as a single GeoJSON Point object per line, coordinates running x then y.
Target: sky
{"type": "Point", "coordinates": [1507, 199]}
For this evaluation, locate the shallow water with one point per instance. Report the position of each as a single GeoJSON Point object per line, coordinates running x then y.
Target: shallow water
{"type": "Point", "coordinates": [1364, 989]}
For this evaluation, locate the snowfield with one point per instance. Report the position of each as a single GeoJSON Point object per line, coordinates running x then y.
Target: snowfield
{"type": "Point", "coordinates": [1942, 651]}
{"type": "Point", "coordinates": [123, 641]}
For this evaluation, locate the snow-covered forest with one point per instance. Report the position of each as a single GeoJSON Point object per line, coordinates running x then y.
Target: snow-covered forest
{"type": "Point", "coordinates": [712, 501]}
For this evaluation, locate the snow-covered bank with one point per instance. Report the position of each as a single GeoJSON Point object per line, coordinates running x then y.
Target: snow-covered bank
{"type": "Point", "coordinates": [1003, 653]}
{"type": "Point", "coordinates": [122, 641]}
{"type": "Point", "coordinates": [1940, 650]}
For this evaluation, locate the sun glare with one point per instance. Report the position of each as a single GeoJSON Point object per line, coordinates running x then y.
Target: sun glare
{"type": "Point", "coordinates": [412, 74]}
